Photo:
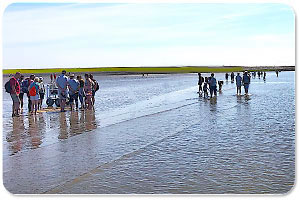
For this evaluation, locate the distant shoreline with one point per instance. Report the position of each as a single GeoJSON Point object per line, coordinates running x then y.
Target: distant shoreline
{"type": "Point", "coordinates": [149, 70]}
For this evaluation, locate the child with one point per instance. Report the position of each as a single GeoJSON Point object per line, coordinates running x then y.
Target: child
{"type": "Point", "coordinates": [220, 83]}
{"type": "Point", "coordinates": [205, 90]}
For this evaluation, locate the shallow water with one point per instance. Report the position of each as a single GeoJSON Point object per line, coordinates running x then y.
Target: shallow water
{"type": "Point", "coordinates": [156, 135]}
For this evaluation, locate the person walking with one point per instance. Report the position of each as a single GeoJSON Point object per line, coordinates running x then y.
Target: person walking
{"type": "Point", "coordinates": [34, 95]}
{"type": "Point", "coordinates": [213, 85]}
{"type": "Point", "coordinates": [14, 94]}
{"type": "Point", "coordinates": [73, 85]}
{"type": "Point", "coordinates": [42, 91]}
{"type": "Point", "coordinates": [246, 82]}
{"type": "Point", "coordinates": [238, 81]}
{"type": "Point", "coordinates": [265, 74]}
{"type": "Point", "coordinates": [62, 82]}
{"type": "Point", "coordinates": [81, 92]}
{"type": "Point", "coordinates": [200, 82]}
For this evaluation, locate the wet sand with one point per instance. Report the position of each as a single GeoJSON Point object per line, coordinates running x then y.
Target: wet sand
{"type": "Point", "coordinates": [156, 135]}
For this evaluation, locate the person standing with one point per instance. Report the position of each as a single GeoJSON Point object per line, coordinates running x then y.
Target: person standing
{"type": "Point", "coordinates": [200, 82]}
{"type": "Point", "coordinates": [277, 73]}
{"type": "Point", "coordinates": [73, 85]}
{"type": "Point", "coordinates": [220, 83]}
{"type": "Point", "coordinates": [88, 86]}
{"type": "Point", "coordinates": [246, 82]}
{"type": "Point", "coordinates": [265, 74]}
{"type": "Point", "coordinates": [21, 95]}
{"type": "Point", "coordinates": [238, 80]}
{"type": "Point", "coordinates": [42, 91]}
{"type": "Point", "coordinates": [34, 95]}
{"type": "Point", "coordinates": [232, 77]}
{"type": "Point", "coordinates": [226, 76]}
{"type": "Point", "coordinates": [81, 92]}
{"type": "Point", "coordinates": [213, 85]}
{"type": "Point", "coordinates": [62, 82]}
{"type": "Point", "coordinates": [95, 88]}
{"type": "Point", "coordinates": [14, 94]}
{"type": "Point", "coordinates": [205, 88]}
{"type": "Point", "coordinates": [30, 80]}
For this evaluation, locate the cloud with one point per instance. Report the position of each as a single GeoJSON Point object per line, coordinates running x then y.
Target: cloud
{"type": "Point", "coordinates": [146, 34]}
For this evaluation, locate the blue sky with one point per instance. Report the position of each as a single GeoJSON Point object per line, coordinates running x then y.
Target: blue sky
{"type": "Point", "coordinates": [93, 35]}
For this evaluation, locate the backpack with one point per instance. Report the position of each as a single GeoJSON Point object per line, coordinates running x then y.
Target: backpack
{"type": "Point", "coordinates": [246, 79]}
{"type": "Point", "coordinates": [24, 86]}
{"type": "Point", "coordinates": [7, 87]}
{"type": "Point", "coordinates": [32, 91]}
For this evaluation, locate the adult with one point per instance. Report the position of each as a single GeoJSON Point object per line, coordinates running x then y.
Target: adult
{"type": "Point", "coordinates": [238, 81]}
{"type": "Point", "coordinates": [81, 93]}
{"type": "Point", "coordinates": [14, 93]}
{"type": "Point", "coordinates": [246, 81]}
{"type": "Point", "coordinates": [95, 88]}
{"type": "Point", "coordinates": [30, 80]}
{"type": "Point", "coordinates": [213, 85]}
{"type": "Point", "coordinates": [265, 76]}
{"type": "Point", "coordinates": [62, 82]}
{"type": "Point", "coordinates": [200, 82]}
{"type": "Point", "coordinates": [73, 85]}
{"type": "Point", "coordinates": [34, 95]}
{"type": "Point", "coordinates": [232, 77]}
{"type": "Point", "coordinates": [21, 95]}
{"type": "Point", "coordinates": [226, 76]}
{"type": "Point", "coordinates": [277, 73]}
{"type": "Point", "coordinates": [42, 91]}
{"type": "Point", "coordinates": [88, 87]}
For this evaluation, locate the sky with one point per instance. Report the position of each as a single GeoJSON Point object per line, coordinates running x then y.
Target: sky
{"type": "Point", "coordinates": [37, 35]}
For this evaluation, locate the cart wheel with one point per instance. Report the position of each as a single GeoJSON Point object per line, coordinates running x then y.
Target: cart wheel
{"type": "Point", "coordinates": [50, 102]}
{"type": "Point", "coordinates": [57, 102]}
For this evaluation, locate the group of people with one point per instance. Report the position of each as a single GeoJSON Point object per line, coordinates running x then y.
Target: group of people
{"type": "Point", "coordinates": [84, 89]}
{"type": "Point", "coordinates": [32, 86]}
{"type": "Point", "coordinates": [68, 87]}
{"type": "Point", "coordinates": [78, 88]}
{"type": "Point", "coordinates": [210, 83]}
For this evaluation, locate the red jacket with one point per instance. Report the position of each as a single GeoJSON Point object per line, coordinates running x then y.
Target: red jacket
{"type": "Point", "coordinates": [15, 83]}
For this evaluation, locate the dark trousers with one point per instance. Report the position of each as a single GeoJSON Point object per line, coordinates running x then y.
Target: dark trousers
{"type": "Point", "coordinates": [74, 97]}
{"type": "Point", "coordinates": [29, 102]}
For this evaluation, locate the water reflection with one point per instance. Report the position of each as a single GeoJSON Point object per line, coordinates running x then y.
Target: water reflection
{"type": "Point", "coordinates": [14, 138]}
{"type": "Point", "coordinates": [75, 123]}
{"type": "Point", "coordinates": [63, 127]}
{"type": "Point", "coordinates": [213, 104]}
{"type": "Point", "coordinates": [28, 132]}
{"type": "Point", "coordinates": [34, 130]}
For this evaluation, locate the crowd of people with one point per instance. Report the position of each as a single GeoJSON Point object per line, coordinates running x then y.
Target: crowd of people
{"type": "Point", "coordinates": [75, 90]}
{"type": "Point", "coordinates": [210, 83]}
{"type": "Point", "coordinates": [83, 90]}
